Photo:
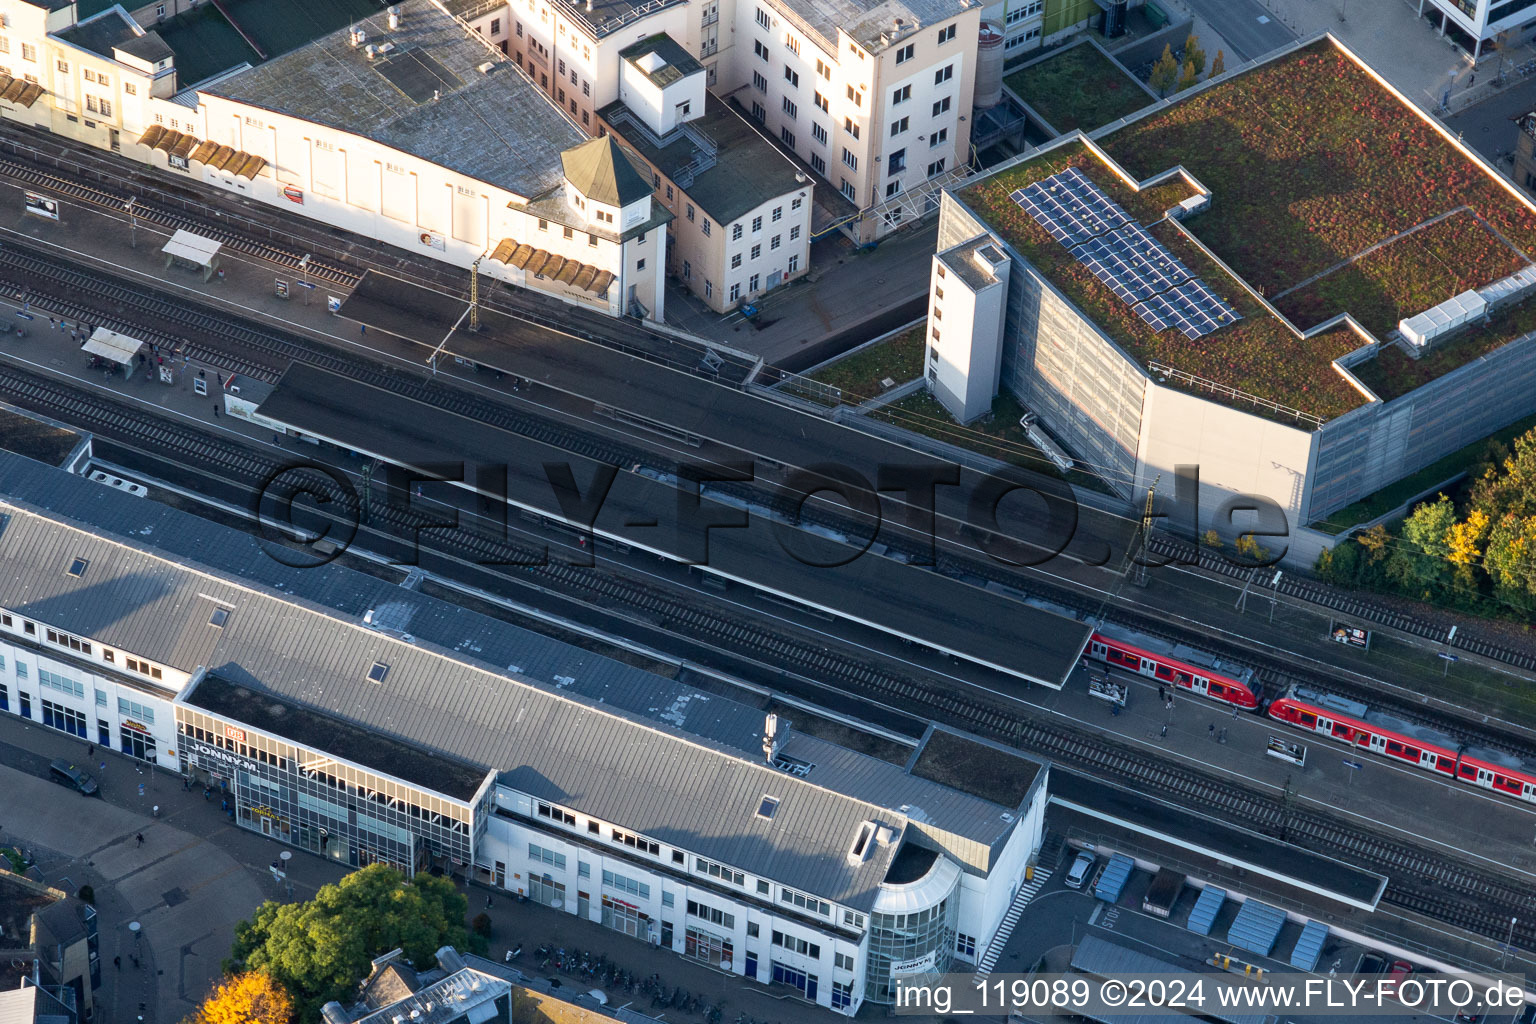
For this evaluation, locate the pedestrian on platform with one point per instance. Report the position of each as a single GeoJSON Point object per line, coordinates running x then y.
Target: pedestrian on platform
{"type": "Point", "coordinates": [139, 838]}
{"type": "Point", "coordinates": [215, 410]}
{"type": "Point", "coordinates": [90, 749]}
{"type": "Point", "coordinates": [1211, 728]}
{"type": "Point", "coordinates": [1162, 694]}
{"type": "Point", "coordinates": [117, 962]}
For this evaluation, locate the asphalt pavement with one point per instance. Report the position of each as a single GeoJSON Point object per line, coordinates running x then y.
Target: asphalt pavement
{"type": "Point", "coordinates": [1247, 26]}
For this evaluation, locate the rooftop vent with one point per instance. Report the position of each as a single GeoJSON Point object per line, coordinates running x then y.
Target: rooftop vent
{"type": "Point", "coordinates": [357, 37]}
{"type": "Point", "coordinates": [386, 48]}
{"type": "Point", "coordinates": [485, 68]}
{"type": "Point", "coordinates": [373, 51]}
{"type": "Point", "coordinates": [652, 62]}
{"type": "Point", "coordinates": [885, 835]}
{"type": "Point", "coordinates": [394, 17]}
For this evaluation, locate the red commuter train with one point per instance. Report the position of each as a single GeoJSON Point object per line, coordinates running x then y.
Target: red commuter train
{"type": "Point", "coordinates": [1178, 666]}
{"type": "Point", "coordinates": [1420, 746]}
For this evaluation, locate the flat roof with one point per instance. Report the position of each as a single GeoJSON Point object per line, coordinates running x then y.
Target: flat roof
{"type": "Point", "coordinates": [100, 33]}
{"type": "Point", "coordinates": [309, 727]}
{"type": "Point", "coordinates": [427, 97]}
{"type": "Point", "coordinates": [874, 24]}
{"type": "Point", "coordinates": [1343, 164]}
{"type": "Point", "coordinates": [748, 170]}
{"type": "Point", "coordinates": [1223, 845]}
{"type": "Point", "coordinates": [908, 601]}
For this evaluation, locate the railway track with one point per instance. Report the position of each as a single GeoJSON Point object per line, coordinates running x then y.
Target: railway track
{"type": "Point", "coordinates": [231, 343]}
{"type": "Point", "coordinates": [1421, 881]}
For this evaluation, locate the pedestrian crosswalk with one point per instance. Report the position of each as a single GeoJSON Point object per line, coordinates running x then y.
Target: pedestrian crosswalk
{"type": "Point", "coordinates": [1010, 921]}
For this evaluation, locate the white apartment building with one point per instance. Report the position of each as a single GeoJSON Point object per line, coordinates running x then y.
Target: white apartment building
{"type": "Point", "coordinates": [676, 817]}
{"type": "Point", "coordinates": [408, 127]}
{"type": "Point", "coordinates": [875, 98]}
{"type": "Point", "coordinates": [1511, 22]}
{"type": "Point", "coordinates": [741, 209]}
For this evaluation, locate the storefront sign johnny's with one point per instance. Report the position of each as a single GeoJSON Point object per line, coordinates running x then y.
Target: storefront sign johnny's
{"type": "Point", "coordinates": [922, 965]}
{"type": "Point", "coordinates": [225, 756]}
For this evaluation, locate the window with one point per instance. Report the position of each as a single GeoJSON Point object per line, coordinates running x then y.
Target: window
{"type": "Point", "coordinates": [669, 193]}
{"type": "Point", "coordinates": [893, 188]}
{"type": "Point", "coordinates": [853, 920]}
{"type": "Point", "coordinates": [763, 19]}
{"type": "Point", "coordinates": [127, 707]}
{"type": "Point", "coordinates": [90, 105]}
{"type": "Point", "coordinates": [821, 101]}
{"type": "Point", "coordinates": [90, 76]}
{"type": "Point", "coordinates": [762, 887]}
{"type": "Point", "coordinates": [842, 996]}
{"type": "Point", "coordinates": [773, 243]}
{"type": "Point", "coordinates": [788, 137]}
{"type": "Point", "coordinates": [849, 159]}
{"type": "Point", "coordinates": [706, 227]}
{"type": "Point", "coordinates": [543, 856]}
{"type": "Point", "coordinates": [74, 643]}
{"type": "Point", "coordinates": [21, 670]}
{"type": "Point", "coordinates": [937, 167]}
{"type": "Point", "coordinates": [752, 930]}
{"type": "Point", "coordinates": [760, 84]}
{"type": "Point", "coordinates": [794, 204]}
{"type": "Point", "coordinates": [687, 271]}
{"type": "Point", "coordinates": [790, 108]}
{"type": "Point", "coordinates": [804, 902]}
{"type": "Point", "coordinates": [905, 53]}
{"type": "Point", "coordinates": [823, 69]}
{"type": "Point", "coordinates": [639, 265]}
{"type": "Point", "coordinates": [965, 945]}
{"type": "Point", "coordinates": [901, 95]}
{"type": "Point", "coordinates": [944, 74]}
{"type": "Point", "coordinates": [757, 251]}
{"type": "Point", "coordinates": [941, 106]}
{"type": "Point", "coordinates": [29, 52]}
{"type": "Point", "coordinates": [797, 945]}
{"type": "Point", "coordinates": [818, 164]}
{"type": "Point", "coordinates": [856, 97]}
{"type": "Point", "coordinates": [849, 191]}
{"type": "Point", "coordinates": [690, 211]}
{"type": "Point", "coordinates": [938, 138]}
{"type": "Point", "coordinates": [794, 47]}
{"type": "Point", "coordinates": [791, 76]}
{"type": "Point", "coordinates": [377, 673]}
{"type": "Point", "coordinates": [543, 224]}
{"type": "Point", "coordinates": [668, 900]}
{"type": "Point", "coordinates": [850, 127]}
{"type": "Point", "coordinates": [635, 842]}
{"type": "Point", "coordinates": [819, 133]}
{"type": "Point", "coordinates": [592, 240]}
{"type": "Point", "coordinates": [768, 807]}
{"type": "Point", "coordinates": [778, 214]}
{"type": "Point", "coordinates": [842, 961]}
{"type": "Point", "coordinates": [570, 233]}
{"type": "Point", "coordinates": [586, 90]}
{"type": "Point", "coordinates": [106, 107]}
{"type": "Point", "coordinates": [736, 261]}
{"type": "Point", "coordinates": [712, 915]}
{"type": "Point", "coordinates": [897, 127]}
{"type": "Point", "coordinates": [56, 716]}
{"type": "Point", "coordinates": [495, 26]}
{"type": "Point", "coordinates": [555, 814]}
{"type": "Point", "coordinates": [130, 89]}
{"type": "Point", "coordinates": [794, 233]}
{"type": "Point", "coordinates": [759, 49]}
{"type": "Point", "coordinates": [63, 66]}
{"type": "Point", "coordinates": [1027, 9]}
{"type": "Point", "coordinates": [63, 684]}
{"type": "Point", "coordinates": [946, 34]}
{"type": "Point", "coordinates": [709, 867]}
{"type": "Point", "coordinates": [624, 883]}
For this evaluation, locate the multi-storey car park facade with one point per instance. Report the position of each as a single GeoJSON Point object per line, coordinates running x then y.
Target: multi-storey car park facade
{"type": "Point", "coordinates": [1326, 389]}
{"type": "Point", "coordinates": [368, 723]}
{"type": "Point", "coordinates": [406, 126]}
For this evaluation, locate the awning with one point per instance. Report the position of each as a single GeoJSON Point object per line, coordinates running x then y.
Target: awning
{"type": "Point", "coordinates": [228, 158]}
{"type": "Point", "coordinates": [175, 143]}
{"type": "Point", "coordinates": [19, 90]}
{"type": "Point", "coordinates": [544, 264]}
{"type": "Point", "coordinates": [109, 345]}
{"type": "Point", "coordinates": [192, 248]}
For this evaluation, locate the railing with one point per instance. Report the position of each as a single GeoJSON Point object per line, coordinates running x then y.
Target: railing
{"type": "Point", "coordinates": [706, 148]}
{"type": "Point", "coordinates": [471, 12]}
{"type": "Point", "coordinates": [578, 12]}
{"type": "Point", "coordinates": [1225, 391]}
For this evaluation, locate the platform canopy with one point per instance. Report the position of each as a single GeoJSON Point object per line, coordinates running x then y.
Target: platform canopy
{"type": "Point", "coordinates": [184, 245]}
{"type": "Point", "coordinates": [109, 345]}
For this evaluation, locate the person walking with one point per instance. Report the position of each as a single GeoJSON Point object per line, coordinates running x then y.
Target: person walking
{"type": "Point", "coordinates": [140, 838]}
{"type": "Point", "coordinates": [117, 962]}
{"type": "Point", "coordinates": [1162, 694]}
{"type": "Point", "coordinates": [90, 750]}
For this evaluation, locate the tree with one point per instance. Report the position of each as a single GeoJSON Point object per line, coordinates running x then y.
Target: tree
{"type": "Point", "coordinates": [1212, 540]}
{"type": "Point", "coordinates": [1164, 73]}
{"type": "Point", "coordinates": [249, 998]}
{"type": "Point", "coordinates": [1464, 538]}
{"type": "Point", "coordinates": [1219, 64]}
{"type": "Point", "coordinates": [1512, 491]}
{"type": "Point", "coordinates": [320, 950]}
{"type": "Point", "coordinates": [1511, 562]}
{"type": "Point", "coordinates": [1422, 559]}
{"type": "Point", "coordinates": [1188, 76]}
{"type": "Point", "coordinates": [1193, 54]}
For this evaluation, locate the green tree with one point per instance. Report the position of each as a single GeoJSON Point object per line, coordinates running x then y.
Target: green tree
{"type": "Point", "coordinates": [1422, 557]}
{"type": "Point", "coordinates": [1511, 488]}
{"type": "Point", "coordinates": [1164, 73]}
{"type": "Point", "coordinates": [321, 949]}
{"type": "Point", "coordinates": [1193, 55]}
{"type": "Point", "coordinates": [1219, 64]}
{"type": "Point", "coordinates": [1188, 76]}
{"type": "Point", "coordinates": [1510, 561]}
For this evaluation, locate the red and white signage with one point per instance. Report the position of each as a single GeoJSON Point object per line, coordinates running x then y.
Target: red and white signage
{"type": "Point", "coordinates": [295, 195]}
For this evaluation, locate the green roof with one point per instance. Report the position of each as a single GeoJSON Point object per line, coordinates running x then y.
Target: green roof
{"type": "Point", "coordinates": [599, 170]}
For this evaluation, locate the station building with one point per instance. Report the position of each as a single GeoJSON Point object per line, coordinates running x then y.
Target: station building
{"type": "Point", "coordinates": [365, 722]}
{"type": "Point", "coordinates": [405, 126]}
{"type": "Point", "coordinates": [1335, 380]}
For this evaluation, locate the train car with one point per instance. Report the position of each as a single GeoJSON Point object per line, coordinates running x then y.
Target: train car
{"type": "Point", "coordinates": [1356, 725]}
{"type": "Point", "coordinates": [1176, 665]}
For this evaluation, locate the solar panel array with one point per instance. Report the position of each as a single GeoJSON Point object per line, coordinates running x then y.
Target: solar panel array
{"type": "Point", "coordinates": [1119, 252]}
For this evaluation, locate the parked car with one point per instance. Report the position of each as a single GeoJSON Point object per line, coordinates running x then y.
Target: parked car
{"type": "Point", "coordinates": [1399, 970]}
{"type": "Point", "coordinates": [74, 777]}
{"type": "Point", "coordinates": [1372, 963]}
{"type": "Point", "coordinates": [1078, 873]}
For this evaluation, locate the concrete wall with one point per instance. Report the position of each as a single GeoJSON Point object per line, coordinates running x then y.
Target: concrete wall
{"type": "Point", "coordinates": [1237, 452]}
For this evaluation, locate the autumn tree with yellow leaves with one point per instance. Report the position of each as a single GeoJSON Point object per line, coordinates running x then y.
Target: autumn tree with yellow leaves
{"type": "Point", "coordinates": [248, 998]}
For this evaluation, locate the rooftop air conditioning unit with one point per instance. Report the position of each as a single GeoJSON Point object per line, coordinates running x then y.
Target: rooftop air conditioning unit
{"type": "Point", "coordinates": [386, 48]}
{"type": "Point", "coordinates": [358, 37]}
{"type": "Point", "coordinates": [394, 18]}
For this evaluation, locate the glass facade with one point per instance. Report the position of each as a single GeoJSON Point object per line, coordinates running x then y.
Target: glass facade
{"type": "Point", "coordinates": [897, 938]}
{"type": "Point", "coordinates": [312, 801]}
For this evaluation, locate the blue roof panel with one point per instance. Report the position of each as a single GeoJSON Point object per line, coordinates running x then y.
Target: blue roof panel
{"type": "Point", "coordinates": [1112, 881]}
{"type": "Point", "coordinates": [1206, 909]}
{"type": "Point", "coordinates": [1256, 927]}
{"type": "Point", "coordinates": [1310, 946]}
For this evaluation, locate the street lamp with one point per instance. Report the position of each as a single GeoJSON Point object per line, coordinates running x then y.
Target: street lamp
{"type": "Point", "coordinates": [133, 222]}
{"type": "Point", "coordinates": [1508, 940]}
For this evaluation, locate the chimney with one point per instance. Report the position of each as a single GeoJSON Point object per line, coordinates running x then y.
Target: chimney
{"type": "Point", "coordinates": [394, 18]}
{"type": "Point", "coordinates": [775, 735]}
{"type": "Point", "coordinates": [358, 37]}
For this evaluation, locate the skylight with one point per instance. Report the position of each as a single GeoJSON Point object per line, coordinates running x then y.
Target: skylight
{"type": "Point", "coordinates": [378, 672]}
{"type": "Point", "coordinates": [77, 567]}
{"type": "Point", "coordinates": [767, 808]}
{"type": "Point", "coordinates": [219, 617]}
